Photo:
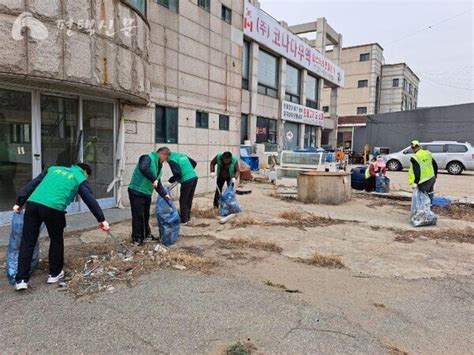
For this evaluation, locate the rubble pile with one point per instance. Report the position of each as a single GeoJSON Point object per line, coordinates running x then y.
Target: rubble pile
{"type": "Point", "coordinates": [101, 273]}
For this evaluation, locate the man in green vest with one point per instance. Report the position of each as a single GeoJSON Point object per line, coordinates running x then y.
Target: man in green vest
{"type": "Point", "coordinates": [145, 179]}
{"type": "Point", "coordinates": [183, 171]}
{"type": "Point", "coordinates": [228, 171]}
{"type": "Point", "coordinates": [46, 198]}
{"type": "Point", "coordinates": [423, 169]}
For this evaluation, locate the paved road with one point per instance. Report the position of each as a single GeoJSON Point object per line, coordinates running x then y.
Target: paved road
{"type": "Point", "coordinates": [185, 313]}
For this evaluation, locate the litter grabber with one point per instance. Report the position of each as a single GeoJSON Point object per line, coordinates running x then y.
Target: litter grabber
{"type": "Point", "coordinates": [124, 249]}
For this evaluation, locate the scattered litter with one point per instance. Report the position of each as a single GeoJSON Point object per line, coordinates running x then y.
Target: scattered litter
{"type": "Point", "coordinates": [226, 219]}
{"type": "Point", "coordinates": [439, 201]}
{"type": "Point", "coordinates": [283, 287]}
{"type": "Point", "coordinates": [423, 238]}
{"type": "Point", "coordinates": [379, 305]}
{"type": "Point", "coordinates": [179, 267]}
{"type": "Point", "coordinates": [160, 249]}
{"type": "Point", "coordinates": [62, 286]}
{"type": "Point", "coordinates": [110, 289]}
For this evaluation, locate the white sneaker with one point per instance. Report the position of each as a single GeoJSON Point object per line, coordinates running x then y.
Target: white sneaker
{"type": "Point", "coordinates": [22, 285]}
{"type": "Point", "coordinates": [53, 280]}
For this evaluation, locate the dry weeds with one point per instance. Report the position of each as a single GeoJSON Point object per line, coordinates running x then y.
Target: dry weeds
{"type": "Point", "coordinates": [379, 305]}
{"type": "Point", "coordinates": [465, 235]}
{"type": "Point", "coordinates": [280, 286]}
{"type": "Point", "coordinates": [247, 243]}
{"type": "Point", "coordinates": [209, 213]}
{"type": "Point", "coordinates": [290, 219]}
{"type": "Point", "coordinates": [393, 350]}
{"type": "Point", "coordinates": [456, 211]}
{"type": "Point", "coordinates": [90, 273]}
{"type": "Point", "coordinates": [329, 261]}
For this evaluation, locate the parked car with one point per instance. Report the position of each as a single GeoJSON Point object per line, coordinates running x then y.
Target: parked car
{"type": "Point", "coordinates": [452, 156]}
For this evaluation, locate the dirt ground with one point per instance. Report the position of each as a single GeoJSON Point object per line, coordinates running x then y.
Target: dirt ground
{"type": "Point", "coordinates": [356, 250]}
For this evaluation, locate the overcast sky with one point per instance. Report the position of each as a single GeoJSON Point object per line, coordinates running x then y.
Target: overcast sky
{"type": "Point", "coordinates": [442, 56]}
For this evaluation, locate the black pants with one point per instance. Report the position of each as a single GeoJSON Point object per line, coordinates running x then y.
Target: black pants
{"type": "Point", "coordinates": [370, 184]}
{"type": "Point", "coordinates": [55, 222]}
{"type": "Point", "coordinates": [140, 205]}
{"type": "Point", "coordinates": [186, 199]}
{"type": "Point", "coordinates": [220, 186]}
{"type": "Point", "coordinates": [428, 187]}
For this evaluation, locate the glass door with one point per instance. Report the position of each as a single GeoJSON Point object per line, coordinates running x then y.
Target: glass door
{"type": "Point", "coordinates": [60, 141]}
{"type": "Point", "coordinates": [15, 147]}
{"type": "Point", "coordinates": [291, 136]}
{"type": "Point", "coordinates": [98, 148]}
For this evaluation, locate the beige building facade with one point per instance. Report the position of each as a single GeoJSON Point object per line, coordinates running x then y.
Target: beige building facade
{"type": "Point", "coordinates": [371, 85]}
{"type": "Point", "coordinates": [105, 81]}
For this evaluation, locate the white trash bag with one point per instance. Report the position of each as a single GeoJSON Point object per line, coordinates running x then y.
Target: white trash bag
{"type": "Point", "coordinates": [421, 213]}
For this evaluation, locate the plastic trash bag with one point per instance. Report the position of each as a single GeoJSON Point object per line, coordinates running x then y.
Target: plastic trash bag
{"type": "Point", "coordinates": [228, 202]}
{"type": "Point", "coordinates": [382, 184]}
{"type": "Point", "coordinates": [168, 220]}
{"type": "Point", "coordinates": [421, 214]}
{"type": "Point", "coordinates": [14, 247]}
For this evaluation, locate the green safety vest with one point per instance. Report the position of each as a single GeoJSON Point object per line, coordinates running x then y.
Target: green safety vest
{"type": "Point", "coordinates": [425, 160]}
{"type": "Point", "coordinates": [367, 171]}
{"type": "Point", "coordinates": [187, 170]}
{"type": "Point", "coordinates": [233, 163]}
{"type": "Point", "coordinates": [59, 187]}
{"type": "Point", "coordinates": [139, 182]}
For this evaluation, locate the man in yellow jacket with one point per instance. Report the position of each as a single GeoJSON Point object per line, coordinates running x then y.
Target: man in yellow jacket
{"type": "Point", "coordinates": [423, 169]}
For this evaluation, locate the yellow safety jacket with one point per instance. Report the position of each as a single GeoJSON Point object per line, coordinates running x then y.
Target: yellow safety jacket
{"type": "Point", "coordinates": [367, 170]}
{"type": "Point", "coordinates": [425, 161]}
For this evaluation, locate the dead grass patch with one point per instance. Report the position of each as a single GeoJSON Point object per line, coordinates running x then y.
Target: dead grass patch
{"type": "Point", "coordinates": [329, 261]}
{"type": "Point", "coordinates": [465, 235]}
{"type": "Point", "coordinates": [394, 350]}
{"type": "Point", "coordinates": [248, 243]}
{"type": "Point", "coordinates": [90, 273]}
{"type": "Point", "coordinates": [290, 219]}
{"type": "Point", "coordinates": [280, 286]}
{"type": "Point", "coordinates": [207, 213]}
{"type": "Point", "coordinates": [456, 211]}
{"type": "Point", "coordinates": [379, 305]}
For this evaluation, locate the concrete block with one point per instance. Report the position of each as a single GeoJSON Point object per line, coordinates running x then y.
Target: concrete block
{"type": "Point", "coordinates": [78, 10]}
{"type": "Point", "coordinates": [217, 58]}
{"type": "Point", "coordinates": [156, 54]}
{"type": "Point", "coordinates": [193, 84]}
{"type": "Point", "coordinates": [171, 78]}
{"type": "Point", "coordinates": [193, 66]}
{"type": "Point", "coordinates": [194, 49]}
{"type": "Point", "coordinates": [78, 57]}
{"type": "Point", "coordinates": [141, 34]}
{"type": "Point", "coordinates": [13, 53]}
{"type": "Point", "coordinates": [145, 133]}
{"type": "Point", "coordinates": [187, 135]}
{"type": "Point", "coordinates": [193, 30]}
{"type": "Point", "coordinates": [157, 75]}
{"type": "Point", "coordinates": [217, 90]}
{"type": "Point", "coordinates": [105, 13]}
{"type": "Point", "coordinates": [124, 65]}
{"type": "Point", "coordinates": [134, 150]}
{"type": "Point", "coordinates": [139, 113]}
{"type": "Point", "coordinates": [46, 57]}
{"type": "Point", "coordinates": [124, 16]}
{"type": "Point", "coordinates": [213, 137]}
{"type": "Point", "coordinates": [138, 74]}
{"type": "Point", "coordinates": [187, 117]}
{"type": "Point", "coordinates": [172, 39]}
{"type": "Point", "coordinates": [157, 34]}
{"type": "Point", "coordinates": [105, 62]}
{"type": "Point", "coordinates": [198, 152]}
{"type": "Point", "coordinates": [11, 6]}
{"type": "Point", "coordinates": [171, 59]}
{"type": "Point", "coordinates": [217, 74]}
{"type": "Point", "coordinates": [45, 9]}
{"type": "Point", "coordinates": [216, 41]}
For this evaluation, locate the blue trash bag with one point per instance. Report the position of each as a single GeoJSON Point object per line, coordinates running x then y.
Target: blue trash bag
{"type": "Point", "coordinates": [168, 221]}
{"type": "Point", "coordinates": [14, 247]}
{"type": "Point", "coordinates": [382, 184]}
{"type": "Point", "coordinates": [421, 214]}
{"type": "Point", "coordinates": [441, 201]}
{"type": "Point", "coordinates": [228, 202]}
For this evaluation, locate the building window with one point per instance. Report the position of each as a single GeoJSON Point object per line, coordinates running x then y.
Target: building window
{"type": "Point", "coordinates": [361, 110]}
{"type": "Point", "coordinates": [20, 133]}
{"type": "Point", "coordinates": [246, 66]}
{"type": "Point", "coordinates": [202, 119]}
{"type": "Point", "coordinates": [415, 92]}
{"type": "Point", "coordinates": [226, 14]}
{"type": "Point", "coordinates": [410, 88]}
{"type": "Point", "coordinates": [326, 109]}
{"type": "Point", "coordinates": [364, 57]}
{"type": "Point", "coordinates": [244, 128]}
{"type": "Point", "coordinates": [138, 5]}
{"type": "Point", "coordinates": [266, 130]}
{"type": "Point", "coordinates": [205, 4]}
{"type": "Point", "coordinates": [293, 84]}
{"type": "Point", "coordinates": [312, 86]}
{"type": "Point", "coordinates": [395, 83]}
{"type": "Point", "coordinates": [309, 136]}
{"type": "Point", "coordinates": [166, 125]}
{"type": "Point", "coordinates": [405, 86]}
{"type": "Point", "coordinates": [223, 122]}
{"type": "Point", "coordinates": [362, 83]}
{"type": "Point", "coordinates": [267, 74]}
{"type": "Point", "coordinates": [170, 4]}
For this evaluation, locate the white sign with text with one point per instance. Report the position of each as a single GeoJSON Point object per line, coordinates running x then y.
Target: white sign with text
{"type": "Point", "coordinates": [264, 29]}
{"type": "Point", "coordinates": [301, 114]}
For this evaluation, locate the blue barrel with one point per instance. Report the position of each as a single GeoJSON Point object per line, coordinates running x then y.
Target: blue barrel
{"type": "Point", "coordinates": [252, 162]}
{"type": "Point", "coordinates": [358, 181]}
